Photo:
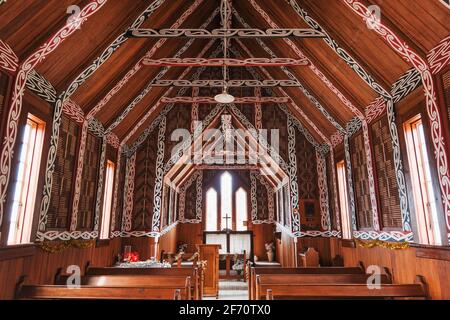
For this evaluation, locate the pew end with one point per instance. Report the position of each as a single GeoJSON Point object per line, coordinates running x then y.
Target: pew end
{"type": "Point", "coordinates": [269, 294]}
{"type": "Point", "coordinates": [361, 266]}
{"type": "Point", "coordinates": [19, 286]}
{"type": "Point", "coordinates": [420, 280]}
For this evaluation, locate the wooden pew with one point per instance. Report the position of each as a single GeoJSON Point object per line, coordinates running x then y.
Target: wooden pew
{"type": "Point", "coordinates": [113, 287]}
{"type": "Point", "coordinates": [272, 291]}
{"type": "Point", "coordinates": [194, 273]}
{"type": "Point", "coordinates": [132, 281]}
{"type": "Point", "coordinates": [87, 292]}
{"type": "Point", "coordinates": [320, 270]}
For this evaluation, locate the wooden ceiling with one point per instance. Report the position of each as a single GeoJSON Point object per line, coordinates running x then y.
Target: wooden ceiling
{"type": "Point", "coordinates": [26, 24]}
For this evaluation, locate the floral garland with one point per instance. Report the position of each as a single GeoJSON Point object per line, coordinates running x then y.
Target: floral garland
{"type": "Point", "coordinates": [57, 247]}
{"type": "Point", "coordinates": [378, 243]}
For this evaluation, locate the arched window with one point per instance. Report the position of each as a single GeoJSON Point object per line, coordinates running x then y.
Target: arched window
{"type": "Point", "coordinates": [241, 210]}
{"type": "Point", "coordinates": [226, 210]}
{"type": "Point", "coordinates": [211, 210]}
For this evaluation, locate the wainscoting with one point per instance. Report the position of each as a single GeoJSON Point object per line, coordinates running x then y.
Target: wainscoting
{"type": "Point", "coordinates": [40, 266]}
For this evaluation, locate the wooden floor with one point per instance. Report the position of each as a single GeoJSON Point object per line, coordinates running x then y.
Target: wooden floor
{"type": "Point", "coordinates": [231, 290]}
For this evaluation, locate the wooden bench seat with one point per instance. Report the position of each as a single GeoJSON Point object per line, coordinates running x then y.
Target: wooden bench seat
{"type": "Point", "coordinates": [193, 272]}
{"type": "Point", "coordinates": [268, 288]}
{"type": "Point", "coordinates": [321, 278]}
{"type": "Point", "coordinates": [319, 270]}
{"type": "Point", "coordinates": [50, 292]}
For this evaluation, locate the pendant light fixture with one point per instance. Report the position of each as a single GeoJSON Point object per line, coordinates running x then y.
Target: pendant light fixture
{"type": "Point", "coordinates": [225, 97]}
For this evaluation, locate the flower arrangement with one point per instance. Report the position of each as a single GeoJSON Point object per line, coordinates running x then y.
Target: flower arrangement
{"type": "Point", "coordinates": [131, 256]}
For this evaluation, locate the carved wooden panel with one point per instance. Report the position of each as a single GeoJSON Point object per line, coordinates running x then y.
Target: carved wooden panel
{"type": "Point", "coordinates": [262, 201]}
{"type": "Point", "coordinates": [387, 183]}
{"type": "Point", "coordinates": [178, 118]}
{"type": "Point", "coordinates": [360, 182]}
{"type": "Point", "coordinates": [306, 168]}
{"type": "Point", "coordinates": [190, 211]}
{"type": "Point", "coordinates": [66, 156]}
{"type": "Point", "coordinates": [275, 119]}
{"type": "Point", "coordinates": [88, 190]}
{"type": "Point", "coordinates": [145, 184]}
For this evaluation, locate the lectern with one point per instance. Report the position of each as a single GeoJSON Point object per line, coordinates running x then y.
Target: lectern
{"type": "Point", "coordinates": [210, 254]}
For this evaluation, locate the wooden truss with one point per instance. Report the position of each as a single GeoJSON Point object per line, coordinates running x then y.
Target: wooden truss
{"type": "Point", "coordinates": [229, 83]}
{"type": "Point", "coordinates": [220, 62]}
{"type": "Point", "coordinates": [241, 100]}
{"type": "Point", "coordinates": [224, 33]}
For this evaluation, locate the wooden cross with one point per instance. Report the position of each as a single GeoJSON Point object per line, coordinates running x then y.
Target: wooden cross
{"type": "Point", "coordinates": [226, 221]}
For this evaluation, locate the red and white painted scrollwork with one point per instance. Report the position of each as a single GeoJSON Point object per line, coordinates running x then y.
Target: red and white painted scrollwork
{"type": "Point", "coordinates": [18, 90]}
{"type": "Point", "coordinates": [405, 51]}
{"type": "Point", "coordinates": [129, 193]}
{"type": "Point", "coordinates": [439, 56]}
{"type": "Point", "coordinates": [113, 140]}
{"type": "Point", "coordinates": [73, 111]}
{"type": "Point", "coordinates": [323, 192]}
{"type": "Point", "coordinates": [8, 59]}
{"type": "Point", "coordinates": [241, 100]}
{"type": "Point", "coordinates": [220, 62]}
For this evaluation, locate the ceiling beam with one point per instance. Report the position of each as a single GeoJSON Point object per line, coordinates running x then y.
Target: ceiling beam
{"type": "Point", "coordinates": [149, 87]}
{"type": "Point", "coordinates": [223, 33]}
{"type": "Point", "coordinates": [220, 62]}
{"type": "Point", "coordinates": [336, 44]}
{"type": "Point", "coordinates": [238, 100]}
{"type": "Point", "coordinates": [251, 83]}
{"type": "Point", "coordinates": [154, 107]}
{"type": "Point", "coordinates": [133, 71]}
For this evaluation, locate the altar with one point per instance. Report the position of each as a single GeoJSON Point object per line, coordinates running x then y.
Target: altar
{"type": "Point", "coordinates": [236, 248]}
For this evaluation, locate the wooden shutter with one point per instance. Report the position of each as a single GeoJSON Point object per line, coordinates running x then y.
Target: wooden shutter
{"type": "Point", "coordinates": [63, 175]}
{"type": "Point", "coordinates": [361, 182]}
{"type": "Point", "coordinates": [89, 183]}
{"type": "Point", "coordinates": [262, 200]}
{"type": "Point", "coordinates": [387, 182]}
{"type": "Point", "coordinates": [120, 194]}
{"type": "Point", "coordinates": [306, 168]}
{"type": "Point", "coordinates": [331, 194]}
{"type": "Point", "coordinates": [145, 183]}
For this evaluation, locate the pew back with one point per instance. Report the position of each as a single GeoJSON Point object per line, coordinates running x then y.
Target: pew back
{"type": "Point", "coordinates": [50, 292]}
{"type": "Point", "coordinates": [320, 270]}
{"type": "Point", "coordinates": [194, 273]}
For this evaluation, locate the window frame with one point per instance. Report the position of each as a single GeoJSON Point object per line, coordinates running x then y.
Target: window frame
{"type": "Point", "coordinates": [428, 226]}
{"type": "Point", "coordinates": [342, 186]}
{"type": "Point", "coordinates": [109, 183]}
{"type": "Point", "coordinates": [33, 214]}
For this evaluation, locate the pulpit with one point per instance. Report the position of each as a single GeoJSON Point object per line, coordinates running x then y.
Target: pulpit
{"type": "Point", "coordinates": [210, 254]}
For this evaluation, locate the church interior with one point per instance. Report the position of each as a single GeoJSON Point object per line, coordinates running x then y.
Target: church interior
{"type": "Point", "coordinates": [224, 149]}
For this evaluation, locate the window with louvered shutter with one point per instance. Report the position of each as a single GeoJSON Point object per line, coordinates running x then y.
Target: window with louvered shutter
{"type": "Point", "coordinates": [306, 168]}
{"type": "Point", "coordinates": [387, 182]}
{"type": "Point", "coordinates": [90, 175]}
{"type": "Point", "coordinates": [120, 194]}
{"type": "Point", "coordinates": [361, 182]}
{"type": "Point", "coordinates": [63, 175]}
{"type": "Point", "coordinates": [145, 184]}
{"type": "Point", "coordinates": [331, 194]}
